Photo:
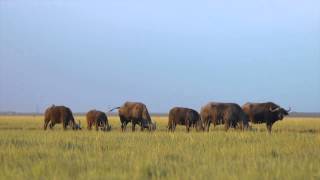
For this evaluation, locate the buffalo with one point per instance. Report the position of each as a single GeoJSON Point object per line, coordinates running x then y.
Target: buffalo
{"type": "Point", "coordinates": [136, 113]}
{"type": "Point", "coordinates": [98, 119]}
{"type": "Point", "coordinates": [184, 116]}
{"type": "Point", "coordinates": [268, 113]}
{"type": "Point", "coordinates": [59, 114]}
{"type": "Point", "coordinates": [229, 114]}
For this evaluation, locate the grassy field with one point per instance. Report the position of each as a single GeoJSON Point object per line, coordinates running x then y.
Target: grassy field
{"type": "Point", "coordinates": [292, 151]}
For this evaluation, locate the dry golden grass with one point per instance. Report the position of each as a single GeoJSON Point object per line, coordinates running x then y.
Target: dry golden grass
{"type": "Point", "coordinates": [290, 152]}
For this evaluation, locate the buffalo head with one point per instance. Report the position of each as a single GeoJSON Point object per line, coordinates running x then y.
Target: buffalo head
{"type": "Point", "coordinates": [153, 126]}
{"type": "Point", "coordinates": [76, 126]}
{"type": "Point", "coordinates": [280, 112]}
{"type": "Point", "coordinates": [109, 128]}
{"type": "Point", "coordinates": [200, 125]}
{"type": "Point", "coordinates": [104, 127]}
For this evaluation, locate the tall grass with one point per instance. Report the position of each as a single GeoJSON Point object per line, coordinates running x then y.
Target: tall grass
{"type": "Point", "coordinates": [27, 152]}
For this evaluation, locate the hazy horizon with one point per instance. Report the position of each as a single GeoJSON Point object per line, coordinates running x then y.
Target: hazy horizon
{"type": "Point", "coordinates": [99, 54]}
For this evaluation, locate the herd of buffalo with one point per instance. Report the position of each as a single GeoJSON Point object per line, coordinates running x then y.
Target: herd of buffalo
{"type": "Point", "coordinates": [228, 114]}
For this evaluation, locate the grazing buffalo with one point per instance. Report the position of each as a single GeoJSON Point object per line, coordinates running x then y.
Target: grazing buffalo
{"type": "Point", "coordinates": [268, 113]}
{"type": "Point", "coordinates": [98, 119]}
{"type": "Point", "coordinates": [184, 116]}
{"type": "Point", "coordinates": [136, 113]}
{"type": "Point", "coordinates": [59, 114]}
{"type": "Point", "coordinates": [229, 114]}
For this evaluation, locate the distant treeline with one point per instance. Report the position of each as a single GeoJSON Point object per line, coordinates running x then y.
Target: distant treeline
{"type": "Point", "coordinates": [293, 114]}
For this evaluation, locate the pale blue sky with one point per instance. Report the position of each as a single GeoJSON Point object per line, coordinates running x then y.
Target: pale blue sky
{"type": "Point", "coordinates": [98, 54]}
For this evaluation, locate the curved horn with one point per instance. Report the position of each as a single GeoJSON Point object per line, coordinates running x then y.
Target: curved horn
{"type": "Point", "coordinates": [289, 109]}
{"type": "Point", "coordinates": [274, 110]}
{"type": "Point", "coordinates": [113, 109]}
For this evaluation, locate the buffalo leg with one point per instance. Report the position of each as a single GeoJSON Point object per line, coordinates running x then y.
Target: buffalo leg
{"type": "Point", "coordinates": [187, 126]}
{"type": "Point", "coordinates": [51, 124]}
{"type": "Point", "coordinates": [124, 126]}
{"type": "Point", "coordinates": [241, 125]}
{"type": "Point", "coordinates": [123, 121]}
{"type": "Point", "coordinates": [174, 125]}
{"type": "Point", "coordinates": [64, 125]}
{"type": "Point", "coordinates": [226, 126]}
{"type": "Point", "coordinates": [251, 118]}
{"type": "Point", "coordinates": [104, 127]}
{"type": "Point", "coordinates": [197, 126]}
{"type": "Point", "coordinates": [170, 126]}
{"type": "Point", "coordinates": [268, 122]}
{"type": "Point", "coordinates": [108, 127]}
{"type": "Point", "coordinates": [97, 126]}
{"type": "Point", "coordinates": [89, 126]}
{"type": "Point", "coordinates": [45, 124]}
{"type": "Point", "coordinates": [72, 125]}
{"type": "Point", "coordinates": [208, 125]}
{"type": "Point", "coordinates": [133, 122]}
{"type": "Point", "coordinates": [269, 127]}
{"type": "Point", "coordinates": [133, 126]}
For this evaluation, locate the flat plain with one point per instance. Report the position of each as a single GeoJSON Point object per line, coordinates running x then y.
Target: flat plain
{"type": "Point", "coordinates": [292, 151]}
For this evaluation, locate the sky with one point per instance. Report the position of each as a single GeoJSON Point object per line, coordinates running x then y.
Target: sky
{"type": "Point", "coordinates": [99, 54]}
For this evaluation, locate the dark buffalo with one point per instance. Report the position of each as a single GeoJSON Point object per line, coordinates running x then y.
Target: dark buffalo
{"type": "Point", "coordinates": [98, 119]}
{"type": "Point", "coordinates": [184, 116]}
{"type": "Point", "coordinates": [229, 114]}
{"type": "Point", "coordinates": [59, 114]}
{"type": "Point", "coordinates": [268, 113]}
{"type": "Point", "coordinates": [136, 113]}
